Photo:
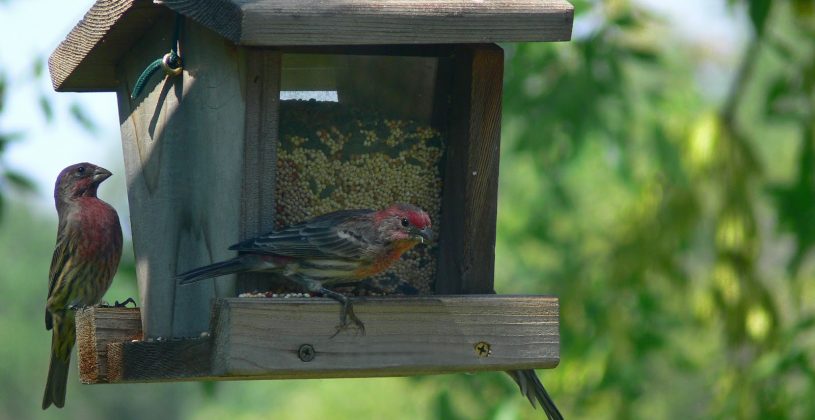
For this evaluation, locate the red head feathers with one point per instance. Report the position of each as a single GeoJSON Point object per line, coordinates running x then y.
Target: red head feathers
{"type": "Point", "coordinates": [406, 222]}
{"type": "Point", "coordinates": [79, 180]}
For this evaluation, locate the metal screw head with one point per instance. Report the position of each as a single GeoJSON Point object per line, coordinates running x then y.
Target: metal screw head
{"type": "Point", "coordinates": [306, 352]}
{"type": "Point", "coordinates": [482, 349]}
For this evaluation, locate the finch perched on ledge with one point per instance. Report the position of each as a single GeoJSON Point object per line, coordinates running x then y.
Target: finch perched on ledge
{"type": "Point", "coordinates": [89, 246]}
{"type": "Point", "coordinates": [343, 246]}
{"type": "Point", "coordinates": [335, 247]}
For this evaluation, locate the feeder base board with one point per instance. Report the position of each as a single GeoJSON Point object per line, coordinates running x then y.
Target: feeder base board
{"type": "Point", "coordinates": [262, 338]}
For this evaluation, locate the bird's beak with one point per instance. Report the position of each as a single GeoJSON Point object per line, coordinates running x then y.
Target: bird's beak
{"type": "Point", "coordinates": [425, 234]}
{"type": "Point", "coordinates": [100, 174]}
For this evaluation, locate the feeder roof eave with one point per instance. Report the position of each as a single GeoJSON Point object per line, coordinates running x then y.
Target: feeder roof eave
{"type": "Point", "coordinates": [86, 59]}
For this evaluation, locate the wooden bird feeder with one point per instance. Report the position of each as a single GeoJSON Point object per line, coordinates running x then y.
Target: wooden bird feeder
{"type": "Point", "coordinates": [286, 109]}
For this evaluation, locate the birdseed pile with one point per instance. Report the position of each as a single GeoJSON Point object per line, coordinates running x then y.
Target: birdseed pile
{"type": "Point", "coordinates": [331, 158]}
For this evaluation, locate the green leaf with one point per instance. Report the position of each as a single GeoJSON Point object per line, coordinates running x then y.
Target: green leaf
{"type": "Point", "coordinates": [443, 406]}
{"type": "Point", "coordinates": [782, 47]}
{"type": "Point", "coordinates": [625, 20]}
{"type": "Point", "coordinates": [82, 118]}
{"type": "Point", "coordinates": [46, 108]}
{"type": "Point", "coordinates": [802, 325]}
{"type": "Point", "coordinates": [209, 389]}
{"type": "Point", "coordinates": [6, 138]}
{"type": "Point", "coordinates": [647, 56]}
{"type": "Point", "coordinates": [778, 90]}
{"type": "Point", "coordinates": [2, 89]}
{"type": "Point", "coordinates": [20, 181]}
{"type": "Point", "coordinates": [759, 10]}
{"type": "Point", "coordinates": [37, 67]}
{"type": "Point", "coordinates": [803, 8]}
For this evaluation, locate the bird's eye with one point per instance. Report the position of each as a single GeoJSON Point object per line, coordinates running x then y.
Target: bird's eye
{"type": "Point", "coordinates": [405, 222]}
{"type": "Point", "coordinates": [80, 170]}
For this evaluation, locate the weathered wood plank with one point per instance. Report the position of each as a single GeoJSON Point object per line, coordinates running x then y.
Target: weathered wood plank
{"type": "Point", "coordinates": [258, 338]}
{"type": "Point", "coordinates": [470, 192]}
{"type": "Point", "coordinates": [111, 349]}
{"type": "Point", "coordinates": [402, 50]}
{"type": "Point", "coordinates": [85, 60]}
{"type": "Point", "coordinates": [222, 16]}
{"type": "Point", "coordinates": [260, 152]}
{"type": "Point", "coordinates": [327, 22]}
{"type": "Point", "coordinates": [184, 167]}
{"type": "Point", "coordinates": [404, 336]}
{"type": "Point", "coordinates": [173, 360]}
{"type": "Point", "coordinates": [96, 327]}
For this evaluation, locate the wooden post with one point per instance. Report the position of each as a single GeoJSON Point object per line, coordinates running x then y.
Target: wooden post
{"type": "Point", "coordinates": [263, 67]}
{"type": "Point", "coordinates": [185, 170]}
{"type": "Point", "coordinates": [97, 327]}
{"type": "Point", "coordinates": [470, 191]}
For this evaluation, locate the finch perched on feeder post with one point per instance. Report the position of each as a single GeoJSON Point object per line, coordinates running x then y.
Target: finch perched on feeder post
{"type": "Point", "coordinates": [87, 253]}
{"type": "Point", "coordinates": [329, 249]}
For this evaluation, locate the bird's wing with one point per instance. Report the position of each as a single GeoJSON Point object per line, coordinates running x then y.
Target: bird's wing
{"type": "Point", "coordinates": [59, 260]}
{"type": "Point", "coordinates": [325, 236]}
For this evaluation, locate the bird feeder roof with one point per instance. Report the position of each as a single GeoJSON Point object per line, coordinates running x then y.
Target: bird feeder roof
{"type": "Point", "coordinates": [86, 59]}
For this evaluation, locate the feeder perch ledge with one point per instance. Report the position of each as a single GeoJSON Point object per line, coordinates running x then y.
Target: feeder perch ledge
{"type": "Point", "coordinates": [259, 338]}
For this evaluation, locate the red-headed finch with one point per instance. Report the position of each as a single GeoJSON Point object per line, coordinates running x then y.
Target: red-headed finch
{"type": "Point", "coordinates": [341, 247]}
{"type": "Point", "coordinates": [335, 247]}
{"type": "Point", "coordinates": [89, 246]}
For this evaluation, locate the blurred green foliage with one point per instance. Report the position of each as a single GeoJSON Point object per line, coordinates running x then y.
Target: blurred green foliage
{"type": "Point", "coordinates": [674, 224]}
{"type": "Point", "coordinates": [12, 180]}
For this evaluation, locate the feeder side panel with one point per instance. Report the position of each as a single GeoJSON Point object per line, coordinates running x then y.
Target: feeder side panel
{"type": "Point", "coordinates": [260, 152]}
{"type": "Point", "coordinates": [183, 148]}
{"type": "Point", "coordinates": [470, 196]}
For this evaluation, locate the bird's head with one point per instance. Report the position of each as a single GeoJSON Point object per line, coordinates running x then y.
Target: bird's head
{"type": "Point", "coordinates": [404, 223]}
{"type": "Point", "coordinates": [79, 180]}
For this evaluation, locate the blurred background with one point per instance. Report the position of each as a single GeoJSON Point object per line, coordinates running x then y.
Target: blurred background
{"type": "Point", "coordinates": [657, 174]}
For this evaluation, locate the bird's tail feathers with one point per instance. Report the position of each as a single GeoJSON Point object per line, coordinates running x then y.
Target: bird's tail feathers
{"type": "Point", "coordinates": [533, 389]}
{"type": "Point", "coordinates": [56, 384]}
{"type": "Point", "coordinates": [213, 270]}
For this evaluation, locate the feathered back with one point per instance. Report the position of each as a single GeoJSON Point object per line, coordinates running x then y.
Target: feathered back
{"type": "Point", "coordinates": [324, 236]}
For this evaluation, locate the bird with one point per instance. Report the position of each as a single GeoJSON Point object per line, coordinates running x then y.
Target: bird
{"type": "Point", "coordinates": [342, 248]}
{"type": "Point", "coordinates": [532, 388]}
{"type": "Point", "coordinates": [85, 259]}
{"type": "Point", "coordinates": [336, 247]}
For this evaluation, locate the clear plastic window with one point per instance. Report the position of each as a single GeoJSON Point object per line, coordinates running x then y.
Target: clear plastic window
{"type": "Point", "coordinates": [362, 131]}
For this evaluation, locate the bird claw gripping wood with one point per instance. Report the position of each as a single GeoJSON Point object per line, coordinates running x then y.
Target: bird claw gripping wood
{"type": "Point", "coordinates": [347, 315]}
{"type": "Point", "coordinates": [116, 304]}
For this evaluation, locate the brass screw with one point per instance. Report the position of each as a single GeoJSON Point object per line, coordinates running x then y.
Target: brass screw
{"type": "Point", "coordinates": [306, 352]}
{"type": "Point", "coordinates": [482, 349]}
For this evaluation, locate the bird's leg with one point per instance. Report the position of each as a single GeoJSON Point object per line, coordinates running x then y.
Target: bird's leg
{"type": "Point", "coordinates": [386, 286]}
{"type": "Point", "coordinates": [347, 310]}
{"type": "Point", "coordinates": [360, 286]}
{"type": "Point", "coordinates": [346, 313]}
{"type": "Point", "coordinates": [116, 304]}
